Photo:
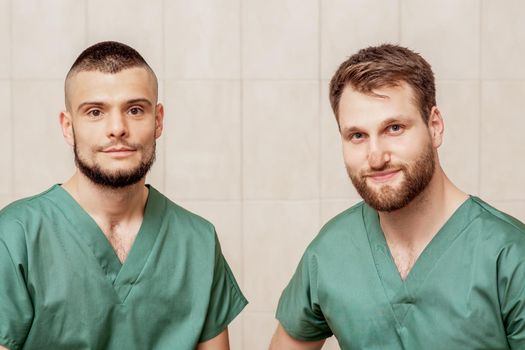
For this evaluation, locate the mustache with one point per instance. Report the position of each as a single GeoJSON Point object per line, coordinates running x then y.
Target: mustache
{"type": "Point", "coordinates": [135, 146]}
{"type": "Point", "coordinates": [384, 169]}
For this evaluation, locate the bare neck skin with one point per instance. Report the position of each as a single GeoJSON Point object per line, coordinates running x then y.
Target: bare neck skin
{"type": "Point", "coordinates": [410, 229]}
{"type": "Point", "coordinates": [118, 212]}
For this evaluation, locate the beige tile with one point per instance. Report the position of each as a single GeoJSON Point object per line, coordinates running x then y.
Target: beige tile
{"type": "Point", "coordinates": [502, 166]}
{"type": "Point", "coordinates": [5, 200]}
{"type": "Point", "coordinates": [5, 39]}
{"type": "Point", "coordinates": [333, 207]}
{"type": "Point", "coordinates": [162, 92]}
{"type": "Point", "coordinates": [202, 39]}
{"type": "Point", "coordinates": [47, 47]}
{"type": "Point", "coordinates": [331, 344]}
{"type": "Point", "coordinates": [258, 330]}
{"type": "Point", "coordinates": [41, 156]}
{"type": "Point", "coordinates": [503, 43]}
{"type": "Point", "coordinates": [226, 217]}
{"type": "Point", "coordinates": [6, 139]}
{"type": "Point", "coordinates": [335, 182]}
{"type": "Point", "coordinates": [459, 154]}
{"type": "Point", "coordinates": [276, 234]}
{"type": "Point", "coordinates": [348, 26]}
{"type": "Point", "coordinates": [513, 208]}
{"type": "Point", "coordinates": [235, 330]}
{"type": "Point", "coordinates": [202, 127]}
{"type": "Point", "coordinates": [454, 25]}
{"type": "Point", "coordinates": [138, 24]}
{"type": "Point", "coordinates": [280, 140]}
{"type": "Point", "coordinates": [280, 39]}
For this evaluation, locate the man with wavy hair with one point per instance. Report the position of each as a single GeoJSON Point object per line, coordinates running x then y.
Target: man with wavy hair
{"type": "Point", "coordinates": [419, 264]}
{"type": "Point", "coordinates": [105, 261]}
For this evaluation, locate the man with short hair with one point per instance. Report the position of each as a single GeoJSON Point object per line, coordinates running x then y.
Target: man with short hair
{"type": "Point", "coordinates": [419, 264]}
{"type": "Point", "coordinates": [104, 261]}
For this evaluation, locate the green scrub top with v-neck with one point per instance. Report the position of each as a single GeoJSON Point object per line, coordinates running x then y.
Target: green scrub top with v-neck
{"type": "Point", "coordinates": [63, 287]}
{"type": "Point", "coordinates": [465, 291]}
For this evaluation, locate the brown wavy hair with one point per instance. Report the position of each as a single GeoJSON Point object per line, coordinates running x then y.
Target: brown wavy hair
{"type": "Point", "coordinates": [386, 65]}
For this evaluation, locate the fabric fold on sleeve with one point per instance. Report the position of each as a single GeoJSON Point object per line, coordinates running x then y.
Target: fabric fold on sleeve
{"type": "Point", "coordinates": [298, 311]}
{"type": "Point", "coordinates": [226, 298]}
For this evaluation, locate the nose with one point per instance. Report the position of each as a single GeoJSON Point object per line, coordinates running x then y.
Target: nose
{"type": "Point", "coordinates": [378, 155]}
{"type": "Point", "coordinates": [117, 126]}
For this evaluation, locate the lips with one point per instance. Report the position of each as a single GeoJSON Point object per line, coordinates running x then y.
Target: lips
{"type": "Point", "coordinates": [118, 152]}
{"type": "Point", "coordinates": [118, 148]}
{"type": "Point", "coordinates": [383, 176]}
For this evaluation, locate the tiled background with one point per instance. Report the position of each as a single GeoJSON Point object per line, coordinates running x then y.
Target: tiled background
{"type": "Point", "coordinates": [250, 141]}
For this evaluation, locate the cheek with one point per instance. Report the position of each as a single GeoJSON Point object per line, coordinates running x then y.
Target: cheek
{"type": "Point", "coordinates": [354, 157]}
{"type": "Point", "coordinates": [84, 143]}
{"type": "Point", "coordinates": [409, 150]}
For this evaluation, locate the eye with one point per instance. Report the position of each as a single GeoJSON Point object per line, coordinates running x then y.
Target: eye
{"type": "Point", "coordinates": [395, 129]}
{"type": "Point", "coordinates": [94, 113]}
{"type": "Point", "coordinates": [356, 137]}
{"type": "Point", "coordinates": [135, 111]}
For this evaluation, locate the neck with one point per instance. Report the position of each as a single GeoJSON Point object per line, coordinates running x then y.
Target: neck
{"type": "Point", "coordinates": [414, 225]}
{"type": "Point", "coordinates": [108, 205]}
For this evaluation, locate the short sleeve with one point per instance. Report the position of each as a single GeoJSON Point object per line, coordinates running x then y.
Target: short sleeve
{"type": "Point", "coordinates": [16, 310]}
{"type": "Point", "coordinates": [226, 298]}
{"type": "Point", "coordinates": [511, 289]}
{"type": "Point", "coordinates": [299, 311]}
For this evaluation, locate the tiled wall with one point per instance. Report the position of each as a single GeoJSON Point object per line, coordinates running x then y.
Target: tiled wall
{"type": "Point", "coordinates": [250, 141]}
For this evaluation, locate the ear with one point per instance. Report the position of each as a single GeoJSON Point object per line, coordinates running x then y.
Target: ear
{"type": "Point", "coordinates": [66, 124]}
{"type": "Point", "coordinates": [436, 127]}
{"type": "Point", "coordinates": [159, 120]}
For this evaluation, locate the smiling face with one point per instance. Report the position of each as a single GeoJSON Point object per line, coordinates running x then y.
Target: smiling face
{"type": "Point", "coordinates": [112, 122]}
{"type": "Point", "coordinates": [389, 151]}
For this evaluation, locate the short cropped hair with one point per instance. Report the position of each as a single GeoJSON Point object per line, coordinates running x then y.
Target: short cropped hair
{"type": "Point", "coordinates": [108, 57]}
{"type": "Point", "coordinates": [385, 66]}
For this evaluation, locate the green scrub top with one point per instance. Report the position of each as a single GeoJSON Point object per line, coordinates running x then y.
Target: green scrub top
{"type": "Point", "coordinates": [63, 287]}
{"type": "Point", "coordinates": [465, 291]}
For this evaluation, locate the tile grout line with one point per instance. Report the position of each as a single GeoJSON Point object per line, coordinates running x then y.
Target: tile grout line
{"type": "Point", "coordinates": [256, 200]}
{"type": "Point", "coordinates": [163, 64]}
{"type": "Point", "coordinates": [12, 102]}
{"type": "Point", "coordinates": [399, 21]}
{"type": "Point", "coordinates": [480, 92]}
{"type": "Point", "coordinates": [86, 22]}
{"type": "Point", "coordinates": [319, 114]}
{"type": "Point", "coordinates": [305, 81]}
{"type": "Point", "coordinates": [241, 160]}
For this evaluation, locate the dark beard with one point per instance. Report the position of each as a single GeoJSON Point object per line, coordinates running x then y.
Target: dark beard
{"type": "Point", "coordinates": [118, 179]}
{"type": "Point", "coordinates": [417, 177]}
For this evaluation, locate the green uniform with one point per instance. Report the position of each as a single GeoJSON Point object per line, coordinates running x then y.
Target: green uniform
{"type": "Point", "coordinates": [63, 287]}
{"type": "Point", "coordinates": [466, 290]}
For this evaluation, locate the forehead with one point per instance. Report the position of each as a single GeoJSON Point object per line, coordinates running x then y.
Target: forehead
{"type": "Point", "coordinates": [357, 107]}
{"type": "Point", "coordinates": [136, 81]}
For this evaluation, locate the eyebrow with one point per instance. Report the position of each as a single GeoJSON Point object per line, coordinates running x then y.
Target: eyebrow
{"type": "Point", "coordinates": [88, 103]}
{"type": "Point", "coordinates": [140, 100]}
{"type": "Point", "coordinates": [392, 120]}
{"type": "Point", "coordinates": [129, 102]}
{"type": "Point", "coordinates": [384, 123]}
{"type": "Point", "coordinates": [350, 130]}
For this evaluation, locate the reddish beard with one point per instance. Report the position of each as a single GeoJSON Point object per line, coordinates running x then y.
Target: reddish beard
{"type": "Point", "coordinates": [416, 177]}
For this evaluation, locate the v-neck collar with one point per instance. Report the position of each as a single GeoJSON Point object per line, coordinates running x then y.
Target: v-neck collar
{"type": "Point", "coordinates": [121, 276]}
{"type": "Point", "coordinates": [403, 293]}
